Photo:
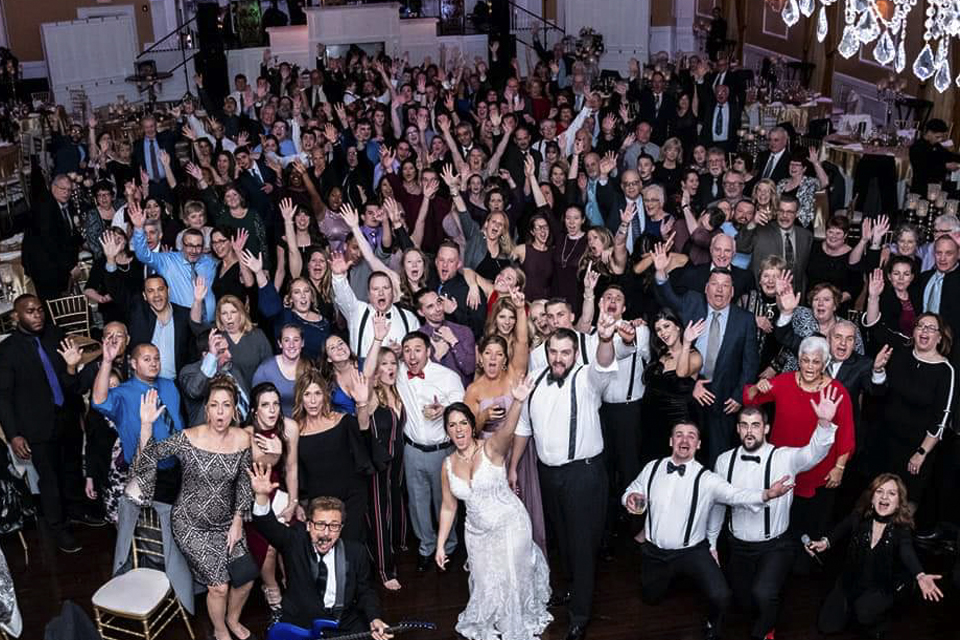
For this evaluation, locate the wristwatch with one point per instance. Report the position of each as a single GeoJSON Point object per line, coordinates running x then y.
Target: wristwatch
{"type": "Point", "coordinates": [921, 451]}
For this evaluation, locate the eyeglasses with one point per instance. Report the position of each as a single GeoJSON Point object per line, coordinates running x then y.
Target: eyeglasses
{"type": "Point", "coordinates": [320, 525]}
{"type": "Point", "coordinates": [631, 183]}
{"type": "Point", "coordinates": [735, 183]}
{"type": "Point", "coordinates": [192, 246]}
{"type": "Point", "coordinates": [928, 328]}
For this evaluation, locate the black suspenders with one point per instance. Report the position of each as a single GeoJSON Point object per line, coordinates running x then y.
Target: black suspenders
{"type": "Point", "coordinates": [366, 316]}
{"type": "Point", "coordinates": [766, 485]}
{"type": "Point", "coordinates": [583, 349]}
{"type": "Point", "coordinates": [693, 506]}
{"type": "Point", "coordinates": [653, 473]}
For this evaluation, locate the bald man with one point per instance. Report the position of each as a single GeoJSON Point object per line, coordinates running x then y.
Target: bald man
{"type": "Point", "coordinates": [722, 251]}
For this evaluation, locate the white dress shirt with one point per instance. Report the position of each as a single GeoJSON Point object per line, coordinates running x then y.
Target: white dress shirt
{"type": "Point", "coordinates": [627, 385]}
{"type": "Point", "coordinates": [546, 415]}
{"type": "Point", "coordinates": [359, 317]}
{"type": "Point", "coordinates": [771, 521]}
{"type": "Point", "coordinates": [438, 382]}
{"type": "Point", "coordinates": [670, 498]}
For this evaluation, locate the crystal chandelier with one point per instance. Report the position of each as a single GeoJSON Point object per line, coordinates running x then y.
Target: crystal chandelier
{"type": "Point", "coordinates": [885, 22]}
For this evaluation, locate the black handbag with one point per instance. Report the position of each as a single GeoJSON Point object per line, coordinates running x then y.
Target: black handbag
{"type": "Point", "coordinates": [242, 570]}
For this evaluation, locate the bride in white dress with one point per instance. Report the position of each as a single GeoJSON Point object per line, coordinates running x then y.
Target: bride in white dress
{"type": "Point", "coordinates": [509, 577]}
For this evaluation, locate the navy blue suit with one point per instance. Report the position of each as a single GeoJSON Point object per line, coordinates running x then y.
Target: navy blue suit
{"type": "Point", "coordinates": [737, 364]}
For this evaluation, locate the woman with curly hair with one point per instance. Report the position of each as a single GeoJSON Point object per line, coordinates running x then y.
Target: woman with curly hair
{"type": "Point", "coordinates": [879, 561]}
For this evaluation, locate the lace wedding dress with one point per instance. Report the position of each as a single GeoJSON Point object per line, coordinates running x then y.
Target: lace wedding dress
{"type": "Point", "coordinates": [509, 577]}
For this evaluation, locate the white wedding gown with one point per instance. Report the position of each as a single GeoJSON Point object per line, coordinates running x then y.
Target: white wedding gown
{"type": "Point", "coordinates": [509, 576]}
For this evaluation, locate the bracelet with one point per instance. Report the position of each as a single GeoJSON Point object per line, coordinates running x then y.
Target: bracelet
{"type": "Point", "coordinates": [839, 466]}
{"type": "Point", "coordinates": [360, 406]}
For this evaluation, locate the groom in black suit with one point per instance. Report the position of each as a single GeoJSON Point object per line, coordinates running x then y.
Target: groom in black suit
{"type": "Point", "coordinates": [326, 577]}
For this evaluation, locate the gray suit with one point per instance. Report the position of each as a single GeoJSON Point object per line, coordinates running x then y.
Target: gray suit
{"type": "Point", "coordinates": [768, 240]}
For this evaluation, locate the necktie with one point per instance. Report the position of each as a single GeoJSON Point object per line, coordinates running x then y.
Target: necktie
{"type": "Point", "coordinates": [411, 375]}
{"type": "Point", "coordinates": [593, 208]}
{"type": "Point", "coordinates": [713, 346]}
{"type": "Point", "coordinates": [718, 80]}
{"type": "Point", "coordinates": [747, 458]}
{"type": "Point", "coordinates": [679, 468]}
{"type": "Point", "coordinates": [788, 255]}
{"type": "Point", "coordinates": [255, 172]}
{"type": "Point", "coordinates": [932, 303]}
{"type": "Point", "coordinates": [154, 165]}
{"type": "Point", "coordinates": [769, 168]}
{"type": "Point", "coordinates": [65, 212]}
{"type": "Point", "coordinates": [656, 104]}
{"type": "Point", "coordinates": [636, 230]}
{"type": "Point", "coordinates": [321, 579]}
{"type": "Point", "coordinates": [718, 123]}
{"type": "Point", "coordinates": [51, 374]}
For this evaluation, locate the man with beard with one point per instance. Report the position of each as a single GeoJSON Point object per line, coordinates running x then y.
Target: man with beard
{"type": "Point", "coordinates": [761, 554]}
{"type": "Point", "coordinates": [326, 577]}
{"type": "Point", "coordinates": [561, 413]}
{"type": "Point", "coordinates": [678, 494]}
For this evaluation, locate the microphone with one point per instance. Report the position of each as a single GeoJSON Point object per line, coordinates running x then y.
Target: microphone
{"type": "Point", "coordinates": [806, 541]}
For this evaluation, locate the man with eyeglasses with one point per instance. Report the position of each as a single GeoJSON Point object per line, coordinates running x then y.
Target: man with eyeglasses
{"type": "Point", "coordinates": [181, 269]}
{"type": "Point", "coordinates": [732, 184]}
{"type": "Point", "coordinates": [711, 183]}
{"type": "Point", "coordinates": [327, 577]}
{"type": "Point", "coordinates": [614, 199]}
{"type": "Point", "coordinates": [51, 242]}
{"type": "Point", "coordinates": [786, 239]}
{"type": "Point", "coordinates": [940, 286]}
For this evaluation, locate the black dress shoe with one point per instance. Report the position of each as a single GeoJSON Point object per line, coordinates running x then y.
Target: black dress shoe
{"type": "Point", "coordinates": [88, 520]}
{"type": "Point", "coordinates": [423, 563]}
{"type": "Point", "coordinates": [577, 632]}
{"type": "Point", "coordinates": [559, 599]}
{"type": "Point", "coordinates": [66, 542]}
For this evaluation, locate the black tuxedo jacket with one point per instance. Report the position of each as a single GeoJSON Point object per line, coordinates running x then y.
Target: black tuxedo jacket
{"type": "Point", "coordinates": [781, 170]}
{"type": "Point", "coordinates": [856, 376]}
{"type": "Point", "coordinates": [50, 248]}
{"type": "Point", "coordinates": [143, 322]}
{"type": "Point", "coordinates": [26, 400]}
{"type": "Point", "coordinates": [738, 359]}
{"type": "Point", "coordinates": [302, 603]}
{"type": "Point", "coordinates": [457, 288]}
{"type": "Point", "coordinates": [252, 190]}
{"type": "Point", "coordinates": [660, 120]}
{"type": "Point", "coordinates": [694, 278]}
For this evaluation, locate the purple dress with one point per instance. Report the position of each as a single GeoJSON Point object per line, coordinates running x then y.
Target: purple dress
{"type": "Point", "coordinates": [527, 478]}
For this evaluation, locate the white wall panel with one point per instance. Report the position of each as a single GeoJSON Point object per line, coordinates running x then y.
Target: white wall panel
{"type": "Point", "coordinates": [625, 25]}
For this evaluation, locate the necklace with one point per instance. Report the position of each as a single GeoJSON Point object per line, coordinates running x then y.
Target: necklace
{"type": "Point", "coordinates": [564, 256]}
{"type": "Point", "coordinates": [476, 447]}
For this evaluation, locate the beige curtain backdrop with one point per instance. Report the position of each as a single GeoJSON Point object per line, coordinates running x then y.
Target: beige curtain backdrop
{"type": "Point", "coordinates": [822, 54]}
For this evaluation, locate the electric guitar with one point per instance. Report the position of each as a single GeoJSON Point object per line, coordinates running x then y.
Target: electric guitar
{"type": "Point", "coordinates": [287, 631]}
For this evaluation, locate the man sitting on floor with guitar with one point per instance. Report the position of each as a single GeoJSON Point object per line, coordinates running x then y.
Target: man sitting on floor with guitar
{"type": "Point", "coordinates": [326, 577]}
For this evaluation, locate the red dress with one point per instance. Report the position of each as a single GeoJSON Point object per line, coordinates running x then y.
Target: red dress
{"type": "Point", "coordinates": [795, 422]}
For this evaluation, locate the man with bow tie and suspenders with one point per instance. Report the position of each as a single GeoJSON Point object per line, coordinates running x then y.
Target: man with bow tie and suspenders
{"type": "Point", "coordinates": [561, 412]}
{"type": "Point", "coordinates": [677, 494]}
{"type": "Point", "coordinates": [761, 552]}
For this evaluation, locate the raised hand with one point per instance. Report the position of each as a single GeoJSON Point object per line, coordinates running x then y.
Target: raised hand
{"type": "Point", "coordinates": [381, 326]}
{"type": "Point", "coordinates": [606, 326]}
{"type": "Point", "coordinates": [627, 215]}
{"type": "Point", "coordinates": [136, 215]}
{"type": "Point", "coordinates": [70, 352]}
{"type": "Point", "coordinates": [883, 357]}
{"type": "Point", "coordinates": [338, 264]}
{"type": "Point", "coordinates": [661, 258]}
{"type": "Point", "coordinates": [287, 210]}
{"type": "Point", "coordinates": [260, 479]}
{"type": "Point", "coordinates": [356, 385]}
{"type": "Point", "coordinates": [608, 163]}
{"type": "Point", "coordinates": [199, 288]}
{"type": "Point", "coordinates": [150, 408]}
{"type": "Point", "coordinates": [826, 408]}
{"type": "Point", "coordinates": [449, 304]}
{"type": "Point", "coordinates": [239, 241]}
{"type": "Point", "coordinates": [194, 172]}
{"type": "Point", "coordinates": [694, 330]}
{"type": "Point", "coordinates": [350, 216]}
{"type": "Point", "coordinates": [251, 262]}
{"type": "Point", "coordinates": [880, 228]}
{"type": "Point", "coordinates": [523, 388]}
{"type": "Point", "coordinates": [449, 177]}
{"type": "Point", "coordinates": [590, 278]}
{"type": "Point", "coordinates": [518, 298]}
{"type": "Point", "coordinates": [112, 244]}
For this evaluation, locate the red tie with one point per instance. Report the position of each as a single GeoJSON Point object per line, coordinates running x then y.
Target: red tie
{"type": "Point", "coordinates": [411, 375]}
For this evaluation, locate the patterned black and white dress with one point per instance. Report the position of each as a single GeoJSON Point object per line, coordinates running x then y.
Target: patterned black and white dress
{"type": "Point", "coordinates": [215, 487]}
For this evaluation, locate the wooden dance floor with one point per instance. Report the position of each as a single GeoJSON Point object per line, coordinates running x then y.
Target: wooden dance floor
{"type": "Point", "coordinates": [52, 577]}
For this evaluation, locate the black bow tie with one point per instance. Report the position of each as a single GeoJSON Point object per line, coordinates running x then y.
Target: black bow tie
{"type": "Point", "coordinates": [747, 458]}
{"type": "Point", "coordinates": [679, 468]}
{"type": "Point", "coordinates": [558, 380]}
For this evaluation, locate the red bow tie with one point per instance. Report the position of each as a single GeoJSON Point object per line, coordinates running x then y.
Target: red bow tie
{"type": "Point", "coordinates": [411, 375]}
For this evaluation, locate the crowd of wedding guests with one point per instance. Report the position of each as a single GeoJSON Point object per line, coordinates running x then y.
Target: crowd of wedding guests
{"type": "Point", "coordinates": [318, 290]}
